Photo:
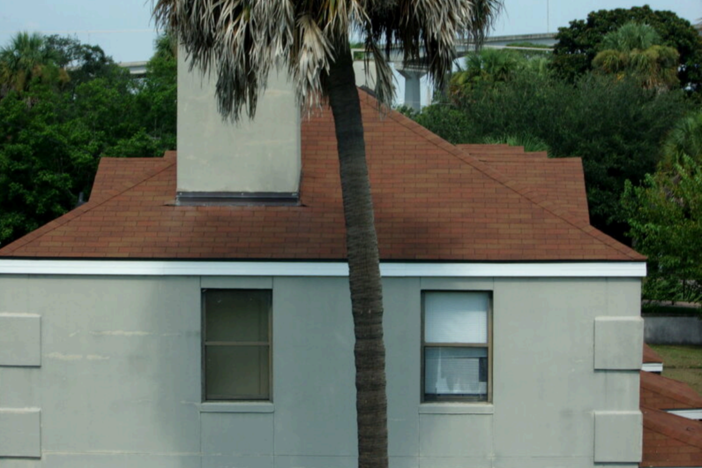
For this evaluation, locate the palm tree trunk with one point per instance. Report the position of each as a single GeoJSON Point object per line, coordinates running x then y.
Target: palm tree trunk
{"type": "Point", "coordinates": [364, 268]}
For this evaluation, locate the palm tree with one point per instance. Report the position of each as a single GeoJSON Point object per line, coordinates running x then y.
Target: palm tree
{"type": "Point", "coordinates": [27, 58]}
{"type": "Point", "coordinates": [242, 40]}
{"type": "Point", "coordinates": [684, 140]}
{"type": "Point", "coordinates": [482, 18]}
{"type": "Point", "coordinates": [634, 50]}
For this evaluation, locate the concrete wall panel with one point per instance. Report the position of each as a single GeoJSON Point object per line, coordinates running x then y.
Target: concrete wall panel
{"type": "Point", "coordinates": [121, 460]}
{"type": "Point", "coordinates": [20, 387]}
{"type": "Point", "coordinates": [313, 384]}
{"type": "Point", "coordinates": [14, 293]}
{"type": "Point", "coordinates": [402, 328]}
{"type": "Point", "coordinates": [121, 364]}
{"type": "Point", "coordinates": [235, 435]}
{"type": "Point", "coordinates": [618, 436]}
{"type": "Point", "coordinates": [284, 461]}
{"type": "Point", "coordinates": [623, 297]}
{"type": "Point", "coordinates": [543, 342]}
{"type": "Point", "coordinates": [20, 432]}
{"type": "Point", "coordinates": [227, 461]}
{"type": "Point", "coordinates": [618, 343]}
{"type": "Point", "coordinates": [20, 339]}
{"type": "Point", "coordinates": [449, 436]}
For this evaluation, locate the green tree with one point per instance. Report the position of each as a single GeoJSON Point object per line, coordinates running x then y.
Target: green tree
{"type": "Point", "coordinates": [579, 43]}
{"type": "Point", "coordinates": [310, 39]}
{"type": "Point", "coordinates": [685, 139]}
{"type": "Point", "coordinates": [35, 184]}
{"type": "Point", "coordinates": [157, 97]}
{"type": "Point", "coordinates": [665, 215]}
{"type": "Point", "coordinates": [487, 66]}
{"type": "Point", "coordinates": [50, 150]}
{"type": "Point", "coordinates": [83, 62]}
{"type": "Point", "coordinates": [483, 16]}
{"type": "Point", "coordinates": [634, 50]}
{"type": "Point", "coordinates": [28, 58]}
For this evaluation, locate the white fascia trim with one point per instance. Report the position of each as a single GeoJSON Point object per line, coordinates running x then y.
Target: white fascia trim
{"type": "Point", "coordinates": [656, 367]}
{"type": "Point", "coordinates": [687, 413]}
{"type": "Point", "coordinates": [388, 270]}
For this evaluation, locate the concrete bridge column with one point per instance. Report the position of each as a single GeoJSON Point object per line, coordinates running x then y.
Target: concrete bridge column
{"type": "Point", "coordinates": [412, 88]}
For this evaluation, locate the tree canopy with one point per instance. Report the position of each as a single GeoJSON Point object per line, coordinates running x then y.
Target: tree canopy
{"type": "Point", "coordinates": [579, 43]}
{"type": "Point", "coordinates": [634, 51]}
{"type": "Point", "coordinates": [665, 215]}
{"type": "Point", "coordinates": [53, 133]}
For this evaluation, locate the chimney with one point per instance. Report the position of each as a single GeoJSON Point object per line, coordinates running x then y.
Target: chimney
{"type": "Point", "coordinates": [253, 161]}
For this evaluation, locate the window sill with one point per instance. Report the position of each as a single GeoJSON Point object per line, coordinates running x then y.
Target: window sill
{"type": "Point", "coordinates": [456, 408]}
{"type": "Point", "coordinates": [237, 407]}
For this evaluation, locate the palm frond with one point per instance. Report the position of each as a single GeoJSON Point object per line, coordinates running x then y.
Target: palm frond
{"type": "Point", "coordinates": [240, 40]}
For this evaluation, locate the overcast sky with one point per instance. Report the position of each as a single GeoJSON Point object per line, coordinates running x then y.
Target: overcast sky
{"type": "Point", "coordinates": [124, 29]}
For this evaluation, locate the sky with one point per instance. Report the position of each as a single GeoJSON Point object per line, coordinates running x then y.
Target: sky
{"type": "Point", "coordinates": [125, 30]}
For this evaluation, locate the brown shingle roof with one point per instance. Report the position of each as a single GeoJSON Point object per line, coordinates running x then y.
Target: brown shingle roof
{"type": "Point", "coordinates": [670, 440]}
{"type": "Point", "coordinates": [432, 201]}
{"type": "Point", "coordinates": [663, 393]}
{"type": "Point", "coordinates": [559, 182]}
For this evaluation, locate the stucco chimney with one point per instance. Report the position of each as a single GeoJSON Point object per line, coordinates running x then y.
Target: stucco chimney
{"type": "Point", "coordinates": [219, 161]}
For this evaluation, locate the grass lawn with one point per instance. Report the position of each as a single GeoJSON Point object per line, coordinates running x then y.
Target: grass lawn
{"type": "Point", "coordinates": [683, 363]}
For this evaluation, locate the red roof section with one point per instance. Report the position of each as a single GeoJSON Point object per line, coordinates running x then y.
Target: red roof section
{"type": "Point", "coordinates": [663, 393]}
{"type": "Point", "coordinates": [433, 201]}
{"type": "Point", "coordinates": [559, 182]}
{"type": "Point", "coordinates": [670, 440]}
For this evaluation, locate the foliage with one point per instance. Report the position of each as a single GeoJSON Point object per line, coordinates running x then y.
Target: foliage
{"type": "Point", "coordinates": [531, 45]}
{"type": "Point", "coordinates": [654, 308]}
{"type": "Point", "coordinates": [530, 143]}
{"type": "Point", "coordinates": [53, 136]}
{"type": "Point", "coordinates": [482, 18]}
{"type": "Point", "coordinates": [157, 97]}
{"type": "Point", "coordinates": [615, 126]}
{"type": "Point", "coordinates": [579, 43]}
{"type": "Point", "coordinates": [634, 50]}
{"type": "Point", "coordinates": [665, 215]}
{"type": "Point", "coordinates": [492, 66]}
{"type": "Point", "coordinates": [306, 38]}
{"type": "Point", "coordinates": [26, 59]}
{"type": "Point", "coordinates": [684, 139]}
{"type": "Point", "coordinates": [34, 187]}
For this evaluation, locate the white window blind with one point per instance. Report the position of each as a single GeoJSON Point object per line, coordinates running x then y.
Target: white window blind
{"type": "Point", "coordinates": [451, 317]}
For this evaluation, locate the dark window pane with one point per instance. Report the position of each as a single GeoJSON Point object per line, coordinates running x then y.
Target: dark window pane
{"type": "Point", "coordinates": [454, 372]}
{"type": "Point", "coordinates": [237, 372]}
{"type": "Point", "coordinates": [237, 315]}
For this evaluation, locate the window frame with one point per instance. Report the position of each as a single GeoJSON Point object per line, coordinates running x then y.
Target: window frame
{"type": "Point", "coordinates": [204, 343]}
{"type": "Point", "coordinates": [425, 345]}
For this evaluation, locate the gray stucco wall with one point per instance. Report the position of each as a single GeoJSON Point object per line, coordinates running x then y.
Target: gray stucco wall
{"type": "Point", "coordinates": [119, 379]}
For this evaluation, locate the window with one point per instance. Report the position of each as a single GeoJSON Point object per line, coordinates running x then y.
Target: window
{"type": "Point", "coordinates": [236, 344]}
{"type": "Point", "coordinates": [456, 346]}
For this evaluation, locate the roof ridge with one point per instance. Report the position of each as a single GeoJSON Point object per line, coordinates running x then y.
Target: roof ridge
{"type": "Point", "coordinates": [81, 210]}
{"type": "Point", "coordinates": [500, 178]}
